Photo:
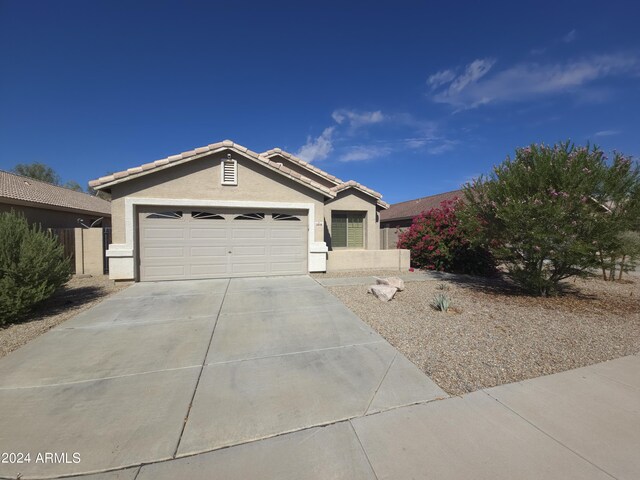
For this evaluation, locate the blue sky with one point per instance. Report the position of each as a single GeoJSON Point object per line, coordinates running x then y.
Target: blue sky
{"type": "Point", "coordinates": [410, 99]}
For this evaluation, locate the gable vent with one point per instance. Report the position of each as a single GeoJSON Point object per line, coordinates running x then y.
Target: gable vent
{"type": "Point", "coordinates": [229, 168]}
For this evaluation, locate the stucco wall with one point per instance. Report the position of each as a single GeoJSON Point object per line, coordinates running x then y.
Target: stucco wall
{"type": "Point", "coordinates": [341, 260]}
{"type": "Point", "coordinates": [52, 218]}
{"type": "Point", "coordinates": [89, 251]}
{"type": "Point", "coordinates": [352, 200]}
{"type": "Point", "coordinates": [200, 180]}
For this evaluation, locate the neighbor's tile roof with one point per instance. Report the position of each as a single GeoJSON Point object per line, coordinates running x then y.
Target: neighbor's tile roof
{"type": "Point", "coordinates": [25, 189]}
{"type": "Point", "coordinates": [117, 177]}
{"type": "Point", "coordinates": [278, 151]}
{"type": "Point", "coordinates": [411, 208]}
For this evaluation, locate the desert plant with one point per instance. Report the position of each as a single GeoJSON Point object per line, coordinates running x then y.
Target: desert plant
{"type": "Point", "coordinates": [629, 252]}
{"type": "Point", "coordinates": [438, 242]}
{"type": "Point", "coordinates": [545, 215]}
{"type": "Point", "coordinates": [442, 286]}
{"type": "Point", "coordinates": [441, 302]}
{"type": "Point", "coordinates": [32, 266]}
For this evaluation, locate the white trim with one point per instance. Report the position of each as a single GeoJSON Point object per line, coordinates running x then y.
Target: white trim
{"type": "Point", "coordinates": [127, 249]}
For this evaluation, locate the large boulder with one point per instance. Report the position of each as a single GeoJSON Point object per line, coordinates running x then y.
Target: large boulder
{"type": "Point", "coordinates": [383, 292]}
{"type": "Point", "coordinates": [391, 281]}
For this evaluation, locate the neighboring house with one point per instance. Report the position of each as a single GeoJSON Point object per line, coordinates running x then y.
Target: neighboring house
{"type": "Point", "coordinates": [226, 211]}
{"type": "Point", "coordinates": [68, 213]}
{"type": "Point", "coordinates": [49, 205]}
{"type": "Point", "coordinates": [399, 216]}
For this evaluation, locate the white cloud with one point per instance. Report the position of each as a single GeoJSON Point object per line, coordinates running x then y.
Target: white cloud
{"type": "Point", "coordinates": [362, 153]}
{"type": "Point", "coordinates": [317, 148]}
{"type": "Point", "coordinates": [607, 133]}
{"type": "Point", "coordinates": [474, 72]}
{"type": "Point", "coordinates": [357, 119]}
{"type": "Point", "coordinates": [526, 80]}
{"type": "Point", "coordinates": [570, 37]}
{"type": "Point", "coordinates": [441, 147]}
{"type": "Point", "coordinates": [440, 78]}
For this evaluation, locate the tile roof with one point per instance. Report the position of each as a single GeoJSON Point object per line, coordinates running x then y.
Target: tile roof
{"type": "Point", "coordinates": [362, 188]}
{"type": "Point", "coordinates": [278, 151]}
{"type": "Point", "coordinates": [25, 189]}
{"type": "Point", "coordinates": [411, 208]}
{"type": "Point", "coordinates": [109, 180]}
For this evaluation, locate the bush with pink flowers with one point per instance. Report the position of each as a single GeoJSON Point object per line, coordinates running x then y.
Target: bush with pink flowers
{"type": "Point", "coordinates": [438, 242]}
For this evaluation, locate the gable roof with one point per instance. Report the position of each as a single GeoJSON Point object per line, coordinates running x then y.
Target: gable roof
{"type": "Point", "coordinates": [411, 208]}
{"type": "Point", "coordinates": [107, 181]}
{"type": "Point", "coordinates": [16, 188]}
{"type": "Point", "coordinates": [306, 165]}
{"type": "Point", "coordinates": [363, 189]}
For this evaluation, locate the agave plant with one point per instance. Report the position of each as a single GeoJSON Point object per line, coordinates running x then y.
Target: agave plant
{"type": "Point", "coordinates": [441, 302]}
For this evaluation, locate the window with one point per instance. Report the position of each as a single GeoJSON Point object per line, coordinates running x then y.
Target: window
{"type": "Point", "coordinates": [250, 216]}
{"type": "Point", "coordinates": [165, 215]}
{"type": "Point", "coordinates": [285, 217]}
{"type": "Point", "coordinates": [347, 230]}
{"type": "Point", "coordinates": [206, 216]}
{"type": "Point", "coordinates": [229, 172]}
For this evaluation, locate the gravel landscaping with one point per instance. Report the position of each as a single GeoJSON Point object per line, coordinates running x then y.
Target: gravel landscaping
{"type": "Point", "coordinates": [77, 295]}
{"type": "Point", "coordinates": [495, 335]}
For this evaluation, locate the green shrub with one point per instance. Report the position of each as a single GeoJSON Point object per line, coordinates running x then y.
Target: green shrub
{"type": "Point", "coordinates": [551, 212]}
{"type": "Point", "coordinates": [32, 266]}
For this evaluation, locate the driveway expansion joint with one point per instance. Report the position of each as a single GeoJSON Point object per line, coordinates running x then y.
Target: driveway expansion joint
{"type": "Point", "coordinates": [204, 362]}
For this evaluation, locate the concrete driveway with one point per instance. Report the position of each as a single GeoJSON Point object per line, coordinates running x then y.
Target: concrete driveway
{"type": "Point", "coordinates": [172, 369]}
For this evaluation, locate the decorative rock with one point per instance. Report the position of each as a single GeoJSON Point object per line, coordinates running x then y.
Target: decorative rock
{"type": "Point", "coordinates": [383, 292]}
{"type": "Point", "coordinates": [392, 281]}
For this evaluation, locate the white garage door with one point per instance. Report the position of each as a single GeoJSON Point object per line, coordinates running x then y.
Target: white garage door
{"type": "Point", "coordinates": [177, 243]}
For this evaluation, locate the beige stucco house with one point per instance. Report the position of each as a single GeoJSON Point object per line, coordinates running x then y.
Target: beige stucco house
{"type": "Point", "coordinates": [226, 211]}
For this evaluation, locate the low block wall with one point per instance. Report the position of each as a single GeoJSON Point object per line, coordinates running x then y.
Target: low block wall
{"type": "Point", "coordinates": [338, 260]}
{"type": "Point", "coordinates": [89, 251]}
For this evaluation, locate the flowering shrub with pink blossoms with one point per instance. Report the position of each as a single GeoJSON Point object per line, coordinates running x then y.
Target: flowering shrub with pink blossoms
{"type": "Point", "coordinates": [553, 212]}
{"type": "Point", "coordinates": [438, 242]}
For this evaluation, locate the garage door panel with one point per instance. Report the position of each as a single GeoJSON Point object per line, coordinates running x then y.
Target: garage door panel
{"type": "Point", "coordinates": [291, 249]}
{"type": "Point", "coordinates": [208, 251]}
{"type": "Point", "coordinates": [190, 247]}
{"type": "Point", "coordinates": [257, 233]}
{"type": "Point", "coordinates": [251, 250]}
{"type": "Point", "coordinates": [249, 268]}
{"type": "Point", "coordinates": [288, 234]}
{"type": "Point", "coordinates": [208, 269]}
{"type": "Point", "coordinates": [164, 233]}
{"type": "Point", "coordinates": [166, 271]}
{"type": "Point", "coordinates": [208, 233]}
{"type": "Point", "coordinates": [164, 252]}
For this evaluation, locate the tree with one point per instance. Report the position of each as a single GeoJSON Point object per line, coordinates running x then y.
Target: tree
{"type": "Point", "coordinates": [38, 171]}
{"type": "Point", "coordinates": [73, 185]}
{"type": "Point", "coordinates": [622, 205]}
{"type": "Point", "coordinates": [544, 215]}
{"type": "Point", "coordinates": [438, 242]}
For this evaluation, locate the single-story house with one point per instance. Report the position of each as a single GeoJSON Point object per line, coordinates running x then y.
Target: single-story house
{"type": "Point", "coordinates": [49, 205]}
{"type": "Point", "coordinates": [225, 211]}
{"type": "Point", "coordinates": [399, 216]}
